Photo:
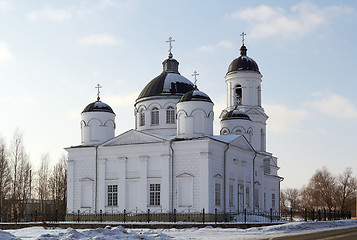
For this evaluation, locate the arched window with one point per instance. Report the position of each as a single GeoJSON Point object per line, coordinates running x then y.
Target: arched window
{"type": "Point", "coordinates": [170, 115]}
{"type": "Point", "coordinates": [155, 116]}
{"type": "Point", "coordinates": [259, 96]}
{"type": "Point", "coordinates": [142, 117]}
{"type": "Point", "coordinates": [238, 90]}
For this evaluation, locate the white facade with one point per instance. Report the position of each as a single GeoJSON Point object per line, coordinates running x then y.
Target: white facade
{"type": "Point", "coordinates": [172, 160]}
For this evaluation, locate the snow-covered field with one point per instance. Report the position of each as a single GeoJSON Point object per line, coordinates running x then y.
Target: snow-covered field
{"type": "Point", "coordinates": [108, 233]}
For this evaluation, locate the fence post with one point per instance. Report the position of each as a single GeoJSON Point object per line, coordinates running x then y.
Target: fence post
{"type": "Point", "coordinates": [334, 214]}
{"type": "Point", "coordinates": [56, 217]}
{"type": "Point", "coordinates": [148, 215]}
{"type": "Point", "coordinates": [291, 214]}
{"type": "Point", "coordinates": [324, 214]}
{"type": "Point", "coordinates": [305, 215]}
{"type": "Point", "coordinates": [124, 217]}
{"type": "Point", "coordinates": [203, 216]}
{"type": "Point", "coordinates": [245, 215]}
{"type": "Point", "coordinates": [215, 215]}
{"type": "Point", "coordinates": [78, 216]}
{"type": "Point", "coordinates": [319, 215]}
{"type": "Point", "coordinates": [175, 215]}
{"type": "Point", "coordinates": [100, 215]}
{"type": "Point", "coordinates": [313, 215]}
{"type": "Point", "coordinates": [271, 215]}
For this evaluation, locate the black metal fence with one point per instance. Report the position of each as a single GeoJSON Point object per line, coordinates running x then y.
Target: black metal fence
{"type": "Point", "coordinates": [245, 216]}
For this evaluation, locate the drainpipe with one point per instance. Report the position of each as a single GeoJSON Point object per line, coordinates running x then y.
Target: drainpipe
{"type": "Point", "coordinates": [172, 175]}
{"type": "Point", "coordinates": [96, 178]}
{"type": "Point", "coordinates": [224, 179]}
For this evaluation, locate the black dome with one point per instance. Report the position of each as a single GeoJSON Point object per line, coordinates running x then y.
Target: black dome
{"type": "Point", "coordinates": [98, 106]}
{"type": "Point", "coordinates": [169, 82]}
{"type": "Point", "coordinates": [243, 63]}
{"type": "Point", "coordinates": [195, 95]}
{"type": "Point", "coordinates": [235, 114]}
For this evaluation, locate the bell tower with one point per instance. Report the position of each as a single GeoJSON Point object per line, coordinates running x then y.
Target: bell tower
{"type": "Point", "coordinates": [243, 81]}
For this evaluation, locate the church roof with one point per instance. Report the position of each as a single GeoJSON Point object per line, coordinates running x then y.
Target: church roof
{"type": "Point", "coordinates": [98, 106]}
{"type": "Point", "coordinates": [168, 83]}
{"type": "Point", "coordinates": [195, 95]}
{"type": "Point", "coordinates": [243, 63]}
{"type": "Point", "coordinates": [235, 114]}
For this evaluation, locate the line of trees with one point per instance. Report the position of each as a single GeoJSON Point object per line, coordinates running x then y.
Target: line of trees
{"type": "Point", "coordinates": [324, 191]}
{"type": "Point", "coordinates": [25, 192]}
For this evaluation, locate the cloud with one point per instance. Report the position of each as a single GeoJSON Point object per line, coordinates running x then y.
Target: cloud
{"type": "Point", "coordinates": [301, 19]}
{"type": "Point", "coordinates": [211, 48]}
{"type": "Point", "coordinates": [333, 105]}
{"type": "Point", "coordinates": [5, 54]}
{"type": "Point", "coordinates": [103, 39]}
{"type": "Point", "coordinates": [51, 14]}
{"type": "Point", "coordinates": [121, 100]}
{"type": "Point", "coordinates": [6, 5]}
{"type": "Point", "coordinates": [284, 120]}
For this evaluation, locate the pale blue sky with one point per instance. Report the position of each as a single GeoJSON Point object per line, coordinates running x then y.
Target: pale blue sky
{"type": "Point", "coordinates": [53, 53]}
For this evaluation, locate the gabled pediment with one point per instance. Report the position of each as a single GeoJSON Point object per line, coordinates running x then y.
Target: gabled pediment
{"type": "Point", "coordinates": [133, 137]}
{"type": "Point", "coordinates": [242, 143]}
{"type": "Point", "coordinates": [256, 111]}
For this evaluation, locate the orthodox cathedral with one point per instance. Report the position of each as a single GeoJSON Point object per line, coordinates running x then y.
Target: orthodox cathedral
{"type": "Point", "coordinates": [172, 160]}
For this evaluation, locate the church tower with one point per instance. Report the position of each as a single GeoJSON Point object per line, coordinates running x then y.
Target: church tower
{"type": "Point", "coordinates": [98, 123]}
{"type": "Point", "coordinates": [243, 81]}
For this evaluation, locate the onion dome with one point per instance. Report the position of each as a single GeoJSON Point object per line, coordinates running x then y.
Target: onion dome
{"type": "Point", "coordinates": [98, 106]}
{"type": "Point", "coordinates": [195, 95]}
{"type": "Point", "coordinates": [169, 82]}
{"type": "Point", "coordinates": [235, 114]}
{"type": "Point", "coordinates": [243, 63]}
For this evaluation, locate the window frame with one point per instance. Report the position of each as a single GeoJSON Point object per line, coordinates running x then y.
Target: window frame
{"type": "Point", "coordinates": [112, 195]}
{"type": "Point", "coordinates": [170, 115]}
{"type": "Point", "coordinates": [154, 194]}
{"type": "Point", "coordinates": [142, 117]}
{"type": "Point", "coordinates": [155, 116]}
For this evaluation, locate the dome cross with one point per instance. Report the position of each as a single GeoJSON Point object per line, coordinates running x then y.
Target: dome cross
{"type": "Point", "coordinates": [98, 87]}
{"type": "Point", "coordinates": [170, 41]}
{"type": "Point", "coordinates": [242, 35]}
{"type": "Point", "coordinates": [195, 74]}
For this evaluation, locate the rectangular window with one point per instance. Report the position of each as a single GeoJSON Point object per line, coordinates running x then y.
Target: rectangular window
{"type": "Point", "coordinates": [170, 115]}
{"type": "Point", "coordinates": [247, 197]}
{"type": "Point", "coordinates": [217, 198]}
{"type": "Point", "coordinates": [112, 195]}
{"type": "Point", "coordinates": [154, 194]}
{"type": "Point", "coordinates": [273, 201]}
{"type": "Point", "coordinates": [231, 196]}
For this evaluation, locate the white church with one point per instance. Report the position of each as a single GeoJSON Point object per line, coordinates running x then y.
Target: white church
{"type": "Point", "coordinates": [172, 160]}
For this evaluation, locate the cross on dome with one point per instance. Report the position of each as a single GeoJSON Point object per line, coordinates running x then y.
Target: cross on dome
{"type": "Point", "coordinates": [170, 41]}
{"type": "Point", "coordinates": [98, 87]}
{"type": "Point", "coordinates": [195, 74]}
{"type": "Point", "coordinates": [242, 35]}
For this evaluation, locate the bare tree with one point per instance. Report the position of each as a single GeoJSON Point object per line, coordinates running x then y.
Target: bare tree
{"type": "Point", "coordinates": [291, 198]}
{"type": "Point", "coordinates": [58, 186]}
{"type": "Point", "coordinates": [346, 190]}
{"type": "Point", "coordinates": [5, 176]}
{"type": "Point", "coordinates": [43, 175]}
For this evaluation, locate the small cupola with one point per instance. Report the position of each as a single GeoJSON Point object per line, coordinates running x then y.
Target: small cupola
{"type": "Point", "coordinates": [98, 122]}
{"type": "Point", "coordinates": [194, 114]}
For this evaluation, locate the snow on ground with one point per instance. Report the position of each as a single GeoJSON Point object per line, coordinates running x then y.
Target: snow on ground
{"type": "Point", "coordinates": [111, 233]}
